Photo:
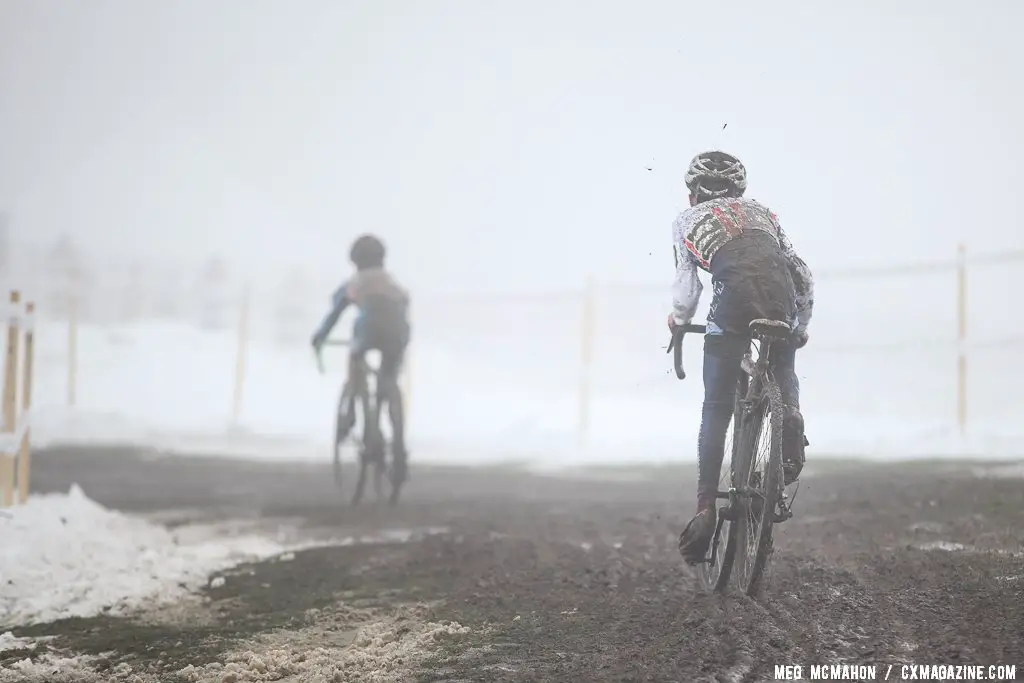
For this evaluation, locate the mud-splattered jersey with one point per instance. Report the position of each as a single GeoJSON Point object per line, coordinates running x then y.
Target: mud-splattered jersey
{"type": "Point", "coordinates": [705, 228]}
{"type": "Point", "coordinates": [700, 232]}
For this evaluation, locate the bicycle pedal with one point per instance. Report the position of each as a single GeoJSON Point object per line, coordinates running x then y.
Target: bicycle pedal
{"type": "Point", "coordinates": [781, 516]}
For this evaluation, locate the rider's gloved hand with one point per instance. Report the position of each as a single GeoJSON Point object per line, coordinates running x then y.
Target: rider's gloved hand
{"type": "Point", "coordinates": [672, 324]}
{"type": "Point", "coordinates": [316, 342]}
{"type": "Point", "coordinates": [800, 338]}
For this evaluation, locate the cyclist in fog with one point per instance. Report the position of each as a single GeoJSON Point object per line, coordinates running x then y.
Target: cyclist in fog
{"type": "Point", "coordinates": [755, 273]}
{"type": "Point", "coordinates": [382, 324]}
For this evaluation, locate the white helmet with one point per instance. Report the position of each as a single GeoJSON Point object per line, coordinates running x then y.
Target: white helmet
{"type": "Point", "coordinates": [715, 174]}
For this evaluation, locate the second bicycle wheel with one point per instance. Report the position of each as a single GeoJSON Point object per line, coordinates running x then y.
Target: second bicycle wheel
{"type": "Point", "coordinates": [762, 440]}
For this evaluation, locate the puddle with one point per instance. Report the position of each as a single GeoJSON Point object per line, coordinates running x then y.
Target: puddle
{"type": "Point", "coordinates": [380, 537]}
{"type": "Point", "coordinates": [284, 531]}
{"type": "Point", "coordinates": [389, 536]}
{"type": "Point", "coordinates": [597, 474]}
{"type": "Point", "coordinates": [1008, 471]}
{"type": "Point", "coordinates": [291, 535]}
{"type": "Point", "coordinates": [948, 546]}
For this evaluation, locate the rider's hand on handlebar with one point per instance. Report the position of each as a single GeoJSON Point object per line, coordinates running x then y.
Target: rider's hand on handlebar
{"type": "Point", "coordinates": [672, 324]}
{"type": "Point", "coordinates": [317, 343]}
{"type": "Point", "coordinates": [800, 338]}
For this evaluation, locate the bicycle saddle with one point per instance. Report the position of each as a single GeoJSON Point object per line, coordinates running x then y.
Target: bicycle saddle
{"type": "Point", "coordinates": [775, 329]}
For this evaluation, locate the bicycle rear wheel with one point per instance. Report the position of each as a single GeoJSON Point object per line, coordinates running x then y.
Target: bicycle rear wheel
{"type": "Point", "coordinates": [761, 452]}
{"type": "Point", "coordinates": [371, 447]}
{"type": "Point", "coordinates": [344, 421]}
{"type": "Point", "coordinates": [714, 573]}
{"type": "Point", "coordinates": [398, 470]}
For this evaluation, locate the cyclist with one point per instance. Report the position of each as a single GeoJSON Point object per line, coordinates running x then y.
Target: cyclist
{"type": "Point", "coordinates": [755, 273]}
{"type": "Point", "coordinates": [382, 324]}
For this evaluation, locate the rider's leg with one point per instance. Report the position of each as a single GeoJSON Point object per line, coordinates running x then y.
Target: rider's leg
{"type": "Point", "coordinates": [347, 409]}
{"type": "Point", "coordinates": [722, 355]}
{"type": "Point", "coordinates": [783, 362]}
{"type": "Point", "coordinates": [358, 346]}
{"type": "Point", "coordinates": [390, 367]}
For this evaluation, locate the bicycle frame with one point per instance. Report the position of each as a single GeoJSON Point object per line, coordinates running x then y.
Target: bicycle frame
{"type": "Point", "coordinates": [365, 365]}
{"type": "Point", "coordinates": [755, 373]}
{"type": "Point", "coordinates": [362, 388]}
{"type": "Point", "coordinates": [360, 381]}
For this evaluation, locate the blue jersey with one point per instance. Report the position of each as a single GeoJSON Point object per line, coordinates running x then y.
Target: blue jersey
{"type": "Point", "coordinates": [382, 302]}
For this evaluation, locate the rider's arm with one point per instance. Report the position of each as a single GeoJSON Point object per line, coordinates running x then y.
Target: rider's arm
{"type": "Point", "coordinates": [339, 302]}
{"type": "Point", "coordinates": [802, 279]}
{"type": "Point", "coordinates": [687, 287]}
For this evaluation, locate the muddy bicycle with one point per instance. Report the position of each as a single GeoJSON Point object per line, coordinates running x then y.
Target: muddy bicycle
{"type": "Point", "coordinates": [755, 486]}
{"type": "Point", "coordinates": [360, 399]}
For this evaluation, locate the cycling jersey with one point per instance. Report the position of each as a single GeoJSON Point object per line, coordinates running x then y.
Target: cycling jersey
{"type": "Point", "coordinates": [755, 271]}
{"type": "Point", "coordinates": [383, 310]}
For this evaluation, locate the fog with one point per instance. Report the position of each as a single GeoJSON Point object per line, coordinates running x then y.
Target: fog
{"type": "Point", "coordinates": [511, 150]}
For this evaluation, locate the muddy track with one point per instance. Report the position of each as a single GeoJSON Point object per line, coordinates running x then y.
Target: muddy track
{"type": "Point", "coordinates": [578, 579]}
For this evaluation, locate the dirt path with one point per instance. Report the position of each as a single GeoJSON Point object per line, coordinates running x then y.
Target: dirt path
{"type": "Point", "coordinates": [514, 577]}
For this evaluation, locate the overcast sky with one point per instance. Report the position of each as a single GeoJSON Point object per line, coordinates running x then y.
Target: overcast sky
{"type": "Point", "coordinates": [506, 143]}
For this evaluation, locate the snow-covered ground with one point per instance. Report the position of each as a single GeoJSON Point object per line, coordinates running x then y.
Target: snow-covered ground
{"type": "Point", "coordinates": [67, 556]}
{"type": "Point", "coordinates": [492, 398]}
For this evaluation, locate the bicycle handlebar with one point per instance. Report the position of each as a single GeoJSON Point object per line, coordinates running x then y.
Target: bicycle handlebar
{"type": "Point", "coordinates": [328, 342]}
{"type": "Point", "coordinates": [676, 345]}
{"type": "Point", "coordinates": [338, 342]}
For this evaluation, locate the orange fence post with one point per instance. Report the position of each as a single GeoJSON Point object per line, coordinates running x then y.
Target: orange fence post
{"type": "Point", "coordinates": [72, 350]}
{"type": "Point", "coordinates": [25, 448]}
{"type": "Point", "coordinates": [240, 358]}
{"type": "Point", "coordinates": [10, 406]}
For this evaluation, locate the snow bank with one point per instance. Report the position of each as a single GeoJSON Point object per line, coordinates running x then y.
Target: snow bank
{"type": "Point", "coordinates": [67, 556]}
{"type": "Point", "coordinates": [53, 668]}
{"type": "Point", "coordinates": [9, 642]}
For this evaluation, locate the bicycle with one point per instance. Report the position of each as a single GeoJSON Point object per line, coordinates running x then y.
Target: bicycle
{"type": "Point", "coordinates": [756, 496]}
{"type": "Point", "coordinates": [373, 448]}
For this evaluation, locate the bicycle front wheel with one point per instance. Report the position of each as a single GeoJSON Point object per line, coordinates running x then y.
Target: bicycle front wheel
{"type": "Point", "coordinates": [714, 572]}
{"type": "Point", "coordinates": [344, 421]}
{"type": "Point", "coordinates": [762, 481]}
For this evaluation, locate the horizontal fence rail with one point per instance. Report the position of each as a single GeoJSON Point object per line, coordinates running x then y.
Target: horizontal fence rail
{"type": "Point", "coordinates": [925, 340]}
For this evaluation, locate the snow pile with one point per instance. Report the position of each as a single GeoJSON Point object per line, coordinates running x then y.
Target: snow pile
{"type": "Point", "coordinates": [52, 668]}
{"type": "Point", "coordinates": [381, 652]}
{"type": "Point", "coordinates": [67, 556]}
{"type": "Point", "coordinates": [9, 642]}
